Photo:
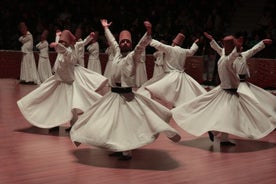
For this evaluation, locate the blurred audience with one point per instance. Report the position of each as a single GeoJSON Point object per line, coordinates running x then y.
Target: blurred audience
{"type": "Point", "coordinates": [168, 17]}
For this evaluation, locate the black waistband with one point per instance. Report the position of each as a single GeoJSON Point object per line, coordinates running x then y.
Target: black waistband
{"type": "Point", "coordinates": [242, 78]}
{"type": "Point", "coordinates": [121, 89]}
{"type": "Point", "coordinates": [231, 90]}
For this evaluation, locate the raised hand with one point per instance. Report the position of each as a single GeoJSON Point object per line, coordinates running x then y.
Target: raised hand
{"type": "Point", "coordinates": [105, 24]}
{"type": "Point", "coordinates": [92, 34]}
{"type": "Point", "coordinates": [53, 44]}
{"type": "Point", "coordinates": [207, 35]}
{"type": "Point", "coordinates": [196, 41]}
{"type": "Point", "coordinates": [58, 32]}
{"type": "Point", "coordinates": [148, 27]}
{"type": "Point", "coordinates": [267, 41]}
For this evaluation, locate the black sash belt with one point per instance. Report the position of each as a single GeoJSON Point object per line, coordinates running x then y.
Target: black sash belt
{"type": "Point", "coordinates": [121, 89]}
{"type": "Point", "coordinates": [242, 78]}
{"type": "Point", "coordinates": [232, 90]}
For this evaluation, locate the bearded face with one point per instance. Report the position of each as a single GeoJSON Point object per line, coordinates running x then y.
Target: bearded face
{"type": "Point", "coordinates": [125, 45]}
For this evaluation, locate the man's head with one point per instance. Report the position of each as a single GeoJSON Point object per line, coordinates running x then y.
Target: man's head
{"type": "Point", "coordinates": [240, 37]}
{"type": "Point", "coordinates": [125, 41]}
{"type": "Point", "coordinates": [67, 38]}
{"type": "Point", "coordinates": [44, 35]}
{"type": "Point", "coordinates": [78, 33]}
{"type": "Point", "coordinates": [23, 28]}
{"type": "Point", "coordinates": [178, 40]}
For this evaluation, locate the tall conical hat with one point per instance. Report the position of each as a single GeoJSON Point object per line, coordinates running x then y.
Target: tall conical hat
{"type": "Point", "coordinates": [67, 37]}
{"type": "Point", "coordinates": [228, 44]}
{"type": "Point", "coordinates": [178, 40]}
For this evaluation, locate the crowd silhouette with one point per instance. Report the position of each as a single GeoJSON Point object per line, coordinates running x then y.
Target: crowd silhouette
{"type": "Point", "coordinates": [169, 17]}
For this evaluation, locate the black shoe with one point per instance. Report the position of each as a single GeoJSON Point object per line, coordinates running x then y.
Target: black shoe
{"type": "Point", "coordinates": [175, 138]}
{"type": "Point", "coordinates": [54, 129]}
{"type": "Point", "coordinates": [30, 83]}
{"type": "Point", "coordinates": [68, 129]}
{"type": "Point", "coordinates": [211, 136]}
{"type": "Point", "coordinates": [115, 154]}
{"type": "Point", "coordinates": [22, 82]}
{"type": "Point", "coordinates": [125, 157]}
{"type": "Point", "coordinates": [77, 143]}
{"type": "Point", "coordinates": [227, 143]}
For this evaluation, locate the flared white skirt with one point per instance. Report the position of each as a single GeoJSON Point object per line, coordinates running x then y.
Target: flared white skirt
{"type": "Point", "coordinates": [116, 124]}
{"type": "Point", "coordinates": [265, 99]}
{"type": "Point", "coordinates": [53, 102]}
{"type": "Point", "coordinates": [174, 87]}
{"type": "Point", "coordinates": [157, 70]}
{"type": "Point", "coordinates": [238, 113]}
{"type": "Point", "coordinates": [90, 79]}
{"type": "Point", "coordinates": [107, 70]}
{"type": "Point", "coordinates": [141, 74]}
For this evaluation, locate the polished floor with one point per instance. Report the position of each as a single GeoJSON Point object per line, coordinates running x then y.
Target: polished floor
{"type": "Point", "coordinates": [29, 155]}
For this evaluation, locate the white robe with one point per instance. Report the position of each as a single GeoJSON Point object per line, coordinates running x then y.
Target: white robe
{"type": "Point", "coordinates": [44, 66]}
{"type": "Point", "coordinates": [220, 110]}
{"type": "Point", "coordinates": [174, 86]}
{"type": "Point", "coordinates": [158, 63]}
{"type": "Point", "coordinates": [141, 71]}
{"type": "Point", "coordinates": [70, 91]}
{"type": "Point", "coordinates": [121, 122]}
{"type": "Point", "coordinates": [58, 56]}
{"type": "Point", "coordinates": [110, 52]}
{"type": "Point", "coordinates": [28, 70]}
{"type": "Point", "coordinates": [80, 47]}
{"type": "Point", "coordinates": [265, 99]}
{"type": "Point", "coordinates": [94, 62]}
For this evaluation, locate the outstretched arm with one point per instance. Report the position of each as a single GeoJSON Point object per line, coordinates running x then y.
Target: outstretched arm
{"type": "Point", "coordinates": [134, 57]}
{"type": "Point", "coordinates": [213, 43]}
{"type": "Point", "coordinates": [67, 53]}
{"type": "Point", "coordinates": [257, 48]}
{"type": "Point", "coordinates": [160, 46]}
{"type": "Point", "coordinates": [58, 33]}
{"type": "Point", "coordinates": [54, 44]}
{"type": "Point", "coordinates": [89, 38]}
{"type": "Point", "coordinates": [145, 40]}
{"type": "Point", "coordinates": [193, 49]}
{"type": "Point", "coordinates": [267, 41]}
{"type": "Point", "coordinates": [148, 27]}
{"type": "Point", "coordinates": [41, 45]}
{"type": "Point", "coordinates": [110, 38]}
{"type": "Point", "coordinates": [207, 35]}
{"type": "Point", "coordinates": [26, 38]}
